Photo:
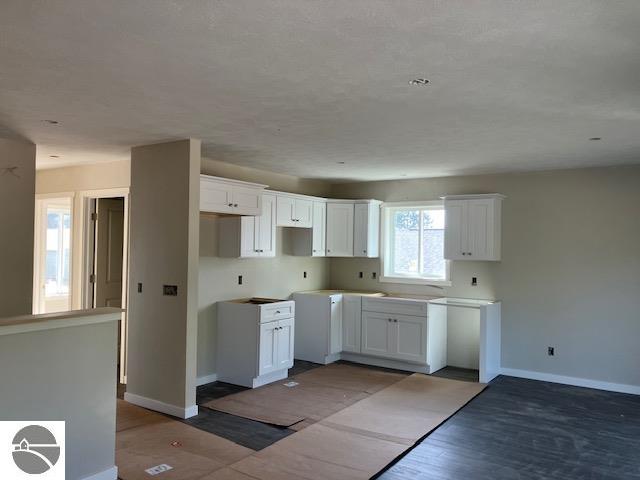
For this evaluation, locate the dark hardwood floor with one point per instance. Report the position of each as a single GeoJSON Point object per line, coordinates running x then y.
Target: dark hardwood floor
{"type": "Point", "coordinates": [525, 429]}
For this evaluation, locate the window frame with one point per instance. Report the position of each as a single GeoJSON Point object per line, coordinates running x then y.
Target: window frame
{"type": "Point", "coordinates": [387, 210]}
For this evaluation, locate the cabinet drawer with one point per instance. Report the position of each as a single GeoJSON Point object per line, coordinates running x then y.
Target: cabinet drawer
{"type": "Point", "coordinates": [269, 313]}
{"type": "Point", "coordinates": [395, 306]}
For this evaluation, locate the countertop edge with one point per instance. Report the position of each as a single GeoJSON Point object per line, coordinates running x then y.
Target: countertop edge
{"type": "Point", "coordinates": [48, 321]}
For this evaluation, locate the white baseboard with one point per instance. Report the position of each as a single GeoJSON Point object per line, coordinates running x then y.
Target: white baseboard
{"type": "Point", "coordinates": [108, 474]}
{"type": "Point", "coordinates": [575, 381]}
{"type": "Point", "coordinates": [207, 379]}
{"type": "Point", "coordinates": [162, 407]}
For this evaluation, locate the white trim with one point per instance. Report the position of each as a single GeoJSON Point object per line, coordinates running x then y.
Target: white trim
{"type": "Point", "coordinates": [417, 280]}
{"type": "Point", "coordinates": [206, 379]}
{"type": "Point", "coordinates": [108, 474]}
{"type": "Point", "coordinates": [415, 204]}
{"type": "Point", "coordinates": [384, 362]}
{"type": "Point", "coordinates": [473, 196]}
{"type": "Point", "coordinates": [575, 381]}
{"type": "Point", "coordinates": [158, 406]}
{"type": "Point", "coordinates": [231, 181]}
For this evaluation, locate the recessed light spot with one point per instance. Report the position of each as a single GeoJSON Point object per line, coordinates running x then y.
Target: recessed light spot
{"type": "Point", "coordinates": [595, 138]}
{"type": "Point", "coordinates": [51, 122]}
{"type": "Point", "coordinates": [54, 156]}
{"type": "Point", "coordinates": [419, 81]}
{"type": "Point", "coordinates": [340, 163]}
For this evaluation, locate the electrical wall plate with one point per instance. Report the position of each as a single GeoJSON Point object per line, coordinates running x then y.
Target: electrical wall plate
{"type": "Point", "coordinates": [170, 290]}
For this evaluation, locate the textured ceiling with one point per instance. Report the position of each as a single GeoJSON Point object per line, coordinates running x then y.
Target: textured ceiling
{"type": "Point", "coordinates": [296, 86]}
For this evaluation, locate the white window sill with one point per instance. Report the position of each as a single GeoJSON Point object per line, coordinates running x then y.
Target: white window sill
{"type": "Point", "coordinates": [416, 281]}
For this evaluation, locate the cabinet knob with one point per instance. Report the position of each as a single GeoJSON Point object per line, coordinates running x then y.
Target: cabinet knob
{"type": "Point", "coordinates": [230, 204]}
{"type": "Point", "coordinates": [314, 251]}
{"type": "Point", "coordinates": [469, 253]}
{"type": "Point", "coordinates": [235, 204]}
{"type": "Point", "coordinates": [464, 253]}
{"type": "Point", "coordinates": [395, 320]}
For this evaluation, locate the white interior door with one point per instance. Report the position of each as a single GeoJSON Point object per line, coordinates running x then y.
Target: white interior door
{"type": "Point", "coordinates": [108, 252]}
{"type": "Point", "coordinates": [52, 275]}
{"type": "Point", "coordinates": [340, 229]}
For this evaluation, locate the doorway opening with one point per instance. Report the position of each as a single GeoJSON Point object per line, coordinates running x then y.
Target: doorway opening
{"type": "Point", "coordinates": [104, 266]}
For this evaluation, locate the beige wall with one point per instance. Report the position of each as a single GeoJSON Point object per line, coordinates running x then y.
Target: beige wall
{"type": "Point", "coordinates": [74, 180]}
{"type": "Point", "coordinates": [268, 277]}
{"type": "Point", "coordinates": [276, 181]}
{"type": "Point", "coordinates": [66, 374]}
{"type": "Point", "coordinates": [164, 239]}
{"type": "Point", "coordinates": [570, 270]}
{"type": "Point", "coordinates": [84, 177]}
{"type": "Point", "coordinates": [16, 227]}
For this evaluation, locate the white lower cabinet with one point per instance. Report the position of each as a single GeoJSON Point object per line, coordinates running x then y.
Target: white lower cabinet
{"type": "Point", "coordinates": [351, 323]}
{"type": "Point", "coordinates": [255, 342]}
{"type": "Point", "coordinates": [376, 334]}
{"type": "Point", "coordinates": [318, 335]}
{"type": "Point", "coordinates": [400, 337]}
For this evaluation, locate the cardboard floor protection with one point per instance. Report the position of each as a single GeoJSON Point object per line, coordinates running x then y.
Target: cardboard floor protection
{"type": "Point", "coordinates": [360, 440]}
{"type": "Point", "coordinates": [190, 453]}
{"type": "Point", "coordinates": [318, 394]}
{"type": "Point", "coordinates": [131, 416]}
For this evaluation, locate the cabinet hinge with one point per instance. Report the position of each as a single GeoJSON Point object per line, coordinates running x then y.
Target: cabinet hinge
{"type": "Point", "coordinates": [94, 217]}
{"type": "Point", "coordinates": [92, 278]}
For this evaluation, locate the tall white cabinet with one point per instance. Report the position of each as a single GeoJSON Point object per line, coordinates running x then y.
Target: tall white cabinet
{"type": "Point", "coordinates": [366, 229]}
{"type": "Point", "coordinates": [340, 217]}
{"type": "Point", "coordinates": [473, 225]}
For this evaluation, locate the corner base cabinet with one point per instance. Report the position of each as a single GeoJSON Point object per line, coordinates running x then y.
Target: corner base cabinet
{"type": "Point", "coordinates": [255, 341]}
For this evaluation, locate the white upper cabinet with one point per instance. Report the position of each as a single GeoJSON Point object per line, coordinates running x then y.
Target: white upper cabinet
{"type": "Point", "coordinates": [340, 229]}
{"type": "Point", "coordinates": [366, 229]}
{"type": "Point", "coordinates": [222, 195]}
{"type": "Point", "coordinates": [293, 211]}
{"type": "Point", "coordinates": [247, 237]}
{"type": "Point", "coordinates": [473, 227]}
{"type": "Point", "coordinates": [311, 242]}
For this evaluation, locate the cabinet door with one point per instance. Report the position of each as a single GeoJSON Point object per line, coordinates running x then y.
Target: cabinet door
{"type": "Point", "coordinates": [268, 359]}
{"type": "Point", "coordinates": [360, 229]}
{"type": "Point", "coordinates": [455, 231]}
{"type": "Point", "coordinates": [247, 201]}
{"type": "Point", "coordinates": [285, 211]}
{"type": "Point", "coordinates": [340, 229]}
{"type": "Point", "coordinates": [284, 348]}
{"type": "Point", "coordinates": [319, 229]}
{"type": "Point", "coordinates": [351, 323]}
{"type": "Point", "coordinates": [335, 324]}
{"type": "Point", "coordinates": [303, 213]}
{"type": "Point", "coordinates": [409, 338]}
{"type": "Point", "coordinates": [249, 237]}
{"type": "Point", "coordinates": [376, 334]}
{"type": "Point", "coordinates": [480, 220]}
{"type": "Point", "coordinates": [266, 227]}
{"type": "Point", "coordinates": [215, 196]}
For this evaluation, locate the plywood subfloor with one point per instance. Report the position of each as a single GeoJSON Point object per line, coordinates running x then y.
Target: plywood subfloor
{"type": "Point", "coordinates": [361, 439]}
{"type": "Point", "coordinates": [146, 439]}
{"type": "Point", "coordinates": [318, 394]}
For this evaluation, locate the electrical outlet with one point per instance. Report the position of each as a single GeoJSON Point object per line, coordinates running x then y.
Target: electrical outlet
{"type": "Point", "coordinates": [374, 275]}
{"type": "Point", "coordinates": [551, 351]}
{"type": "Point", "coordinates": [304, 274]}
{"type": "Point", "coordinates": [474, 281]}
{"type": "Point", "coordinates": [170, 290]}
{"type": "Point", "coordinates": [139, 287]}
{"type": "Point", "coordinates": [239, 279]}
{"type": "Point", "coordinates": [361, 275]}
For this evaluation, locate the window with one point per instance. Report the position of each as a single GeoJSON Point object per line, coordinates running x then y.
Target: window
{"type": "Point", "coordinates": [413, 244]}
